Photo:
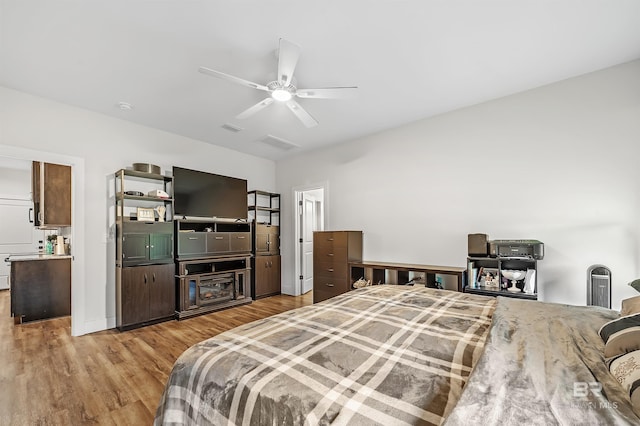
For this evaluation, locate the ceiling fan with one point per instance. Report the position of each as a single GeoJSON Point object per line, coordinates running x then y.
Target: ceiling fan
{"type": "Point", "coordinates": [282, 89]}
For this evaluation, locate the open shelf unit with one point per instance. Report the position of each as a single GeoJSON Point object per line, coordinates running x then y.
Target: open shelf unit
{"type": "Point", "coordinates": [403, 273]}
{"type": "Point", "coordinates": [127, 204]}
{"type": "Point", "coordinates": [145, 283]}
{"type": "Point", "coordinates": [264, 207]}
{"type": "Point", "coordinates": [264, 213]}
{"type": "Point", "coordinates": [475, 282]}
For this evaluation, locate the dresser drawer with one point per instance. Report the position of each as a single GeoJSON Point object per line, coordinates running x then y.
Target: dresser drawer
{"type": "Point", "coordinates": [328, 288]}
{"type": "Point", "coordinates": [329, 255]}
{"type": "Point", "coordinates": [329, 240]}
{"type": "Point", "coordinates": [320, 295]}
{"type": "Point", "coordinates": [331, 283]}
{"type": "Point", "coordinates": [330, 269]}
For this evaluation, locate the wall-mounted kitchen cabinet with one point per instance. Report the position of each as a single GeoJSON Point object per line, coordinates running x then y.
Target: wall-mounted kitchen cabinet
{"type": "Point", "coordinates": [51, 192]}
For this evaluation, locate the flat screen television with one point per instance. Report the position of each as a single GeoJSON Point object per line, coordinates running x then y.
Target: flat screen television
{"type": "Point", "coordinates": [202, 194]}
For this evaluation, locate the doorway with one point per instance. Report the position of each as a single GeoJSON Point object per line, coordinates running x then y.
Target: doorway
{"type": "Point", "coordinates": [11, 153]}
{"type": "Point", "coordinates": [17, 231]}
{"type": "Point", "coordinates": [311, 217]}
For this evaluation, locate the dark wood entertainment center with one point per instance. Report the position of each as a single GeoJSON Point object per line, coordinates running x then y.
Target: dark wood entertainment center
{"type": "Point", "coordinates": [170, 266]}
{"type": "Point", "coordinates": [213, 262]}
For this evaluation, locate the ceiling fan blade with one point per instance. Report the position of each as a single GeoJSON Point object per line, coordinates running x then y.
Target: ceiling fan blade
{"type": "Point", "coordinates": [237, 80]}
{"type": "Point", "coordinates": [257, 107]}
{"type": "Point", "coordinates": [302, 115]}
{"type": "Point", "coordinates": [288, 55]}
{"type": "Point", "coordinates": [328, 93]}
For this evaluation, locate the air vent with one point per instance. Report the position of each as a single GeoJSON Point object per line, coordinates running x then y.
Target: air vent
{"type": "Point", "coordinates": [278, 142]}
{"type": "Point", "coordinates": [231, 127]}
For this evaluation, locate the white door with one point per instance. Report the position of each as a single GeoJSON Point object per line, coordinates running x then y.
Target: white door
{"type": "Point", "coordinates": [17, 233]}
{"type": "Point", "coordinates": [309, 223]}
{"type": "Point", "coordinates": [311, 219]}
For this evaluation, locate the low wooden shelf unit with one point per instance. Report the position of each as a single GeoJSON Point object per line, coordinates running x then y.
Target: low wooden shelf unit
{"type": "Point", "coordinates": [399, 273]}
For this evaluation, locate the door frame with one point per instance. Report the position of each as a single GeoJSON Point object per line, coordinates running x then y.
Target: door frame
{"type": "Point", "coordinates": [77, 227]}
{"type": "Point", "coordinates": [297, 193]}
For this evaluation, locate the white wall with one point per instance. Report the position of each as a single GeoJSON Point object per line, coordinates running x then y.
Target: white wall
{"type": "Point", "coordinates": [15, 179]}
{"type": "Point", "coordinates": [558, 164]}
{"type": "Point", "coordinates": [106, 145]}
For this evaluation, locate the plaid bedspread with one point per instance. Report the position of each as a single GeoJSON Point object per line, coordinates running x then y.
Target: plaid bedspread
{"type": "Point", "coordinates": [389, 355]}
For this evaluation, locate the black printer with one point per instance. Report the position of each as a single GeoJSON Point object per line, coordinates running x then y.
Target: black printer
{"type": "Point", "coordinates": [516, 248]}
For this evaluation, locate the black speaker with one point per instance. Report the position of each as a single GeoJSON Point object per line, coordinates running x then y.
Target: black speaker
{"type": "Point", "coordinates": [478, 244]}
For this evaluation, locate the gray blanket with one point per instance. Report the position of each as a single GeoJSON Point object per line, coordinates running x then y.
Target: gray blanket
{"type": "Point", "coordinates": [543, 364]}
{"type": "Point", "coordinates": [389, 355]}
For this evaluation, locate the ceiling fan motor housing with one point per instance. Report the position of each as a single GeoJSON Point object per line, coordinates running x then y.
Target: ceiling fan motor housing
{"type": "Point", "coordinates": [280, 92]}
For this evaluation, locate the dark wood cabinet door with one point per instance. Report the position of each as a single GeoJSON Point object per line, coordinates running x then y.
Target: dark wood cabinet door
{"type": "Point", "coordinates": [267, 275]}
{"type": "Point", "coordinates": [35, 181]}
{"type": "Point", "coordinates": [51, 187]}
{"type": "Point", "coordinates": [135, 295]}
{"type": "Point", "coordinates": [274, 274]}
{"type": "Point", "coordinates": [59, 287]}
{"type": "Point", "coordinates": [261, 275]}
{"type": "Point", "coordinates": [162, 291]}
{"type": "Point", "coordinates": [56, 188]}
{"type": "Point", "coordinates": [267, 239]}
{"type": "Point", "coordinates": [160, 246]}
{"type": "Point", "coordinates": [135, 248]}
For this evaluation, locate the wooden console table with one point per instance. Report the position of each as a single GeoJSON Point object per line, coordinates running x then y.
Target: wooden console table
{"type": "Point", "coordinates": [399, 273]}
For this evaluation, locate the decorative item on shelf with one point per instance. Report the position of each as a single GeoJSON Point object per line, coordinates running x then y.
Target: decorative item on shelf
{"type": "Point", "coordinates": [361, 283]}
{"type": "Point", "coordinates": [158, 193]}
{"type": "Point", "coordinates": [146, 215]}
{"type": "Point", "coordinates": [514, 276]}
{"type": "Point", "coordinates": [146, 168]}
{"type": "Point", "coordinates": [161, 211]}
{"type": "Point", "coordinates": [530, 282]}
{"type": "Point", "coordinates": [488, 277]}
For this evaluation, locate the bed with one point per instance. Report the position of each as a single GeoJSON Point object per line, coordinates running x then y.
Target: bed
{"type": "Point", "coordinates": [403, 355]}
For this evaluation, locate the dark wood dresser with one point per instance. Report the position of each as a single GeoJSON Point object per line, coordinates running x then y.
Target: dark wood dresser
{"type": "Point", "coordinates": [332, 252]}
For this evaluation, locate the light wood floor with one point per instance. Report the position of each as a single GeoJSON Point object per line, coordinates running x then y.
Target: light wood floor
{"type": "Point", "coordinates": [48, 377]}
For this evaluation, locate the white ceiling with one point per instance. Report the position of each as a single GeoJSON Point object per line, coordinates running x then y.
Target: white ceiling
{"type": "Point", "coordinates": [410, 59]}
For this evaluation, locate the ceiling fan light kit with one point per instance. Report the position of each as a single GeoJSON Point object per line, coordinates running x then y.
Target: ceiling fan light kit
{"type": "Point", "coordinates": [282, 94]}
{"type": "Point", "coordinates": [283, 90]}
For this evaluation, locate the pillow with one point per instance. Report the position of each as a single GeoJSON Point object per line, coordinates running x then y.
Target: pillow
{"type": "Point", "coordinates": [635, 284]}
{"type": "Point", "coordinates": [621, 335]}
{"type": "Point", "coordinates": [626, 369]}
{"type": "Point", "coordinates": [630, 306]}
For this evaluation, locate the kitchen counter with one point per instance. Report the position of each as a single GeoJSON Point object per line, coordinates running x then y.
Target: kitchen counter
{"type": "Point", "coordinates": [35, 256]}
{"type": "Point", "coordinates": [40, 286]}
